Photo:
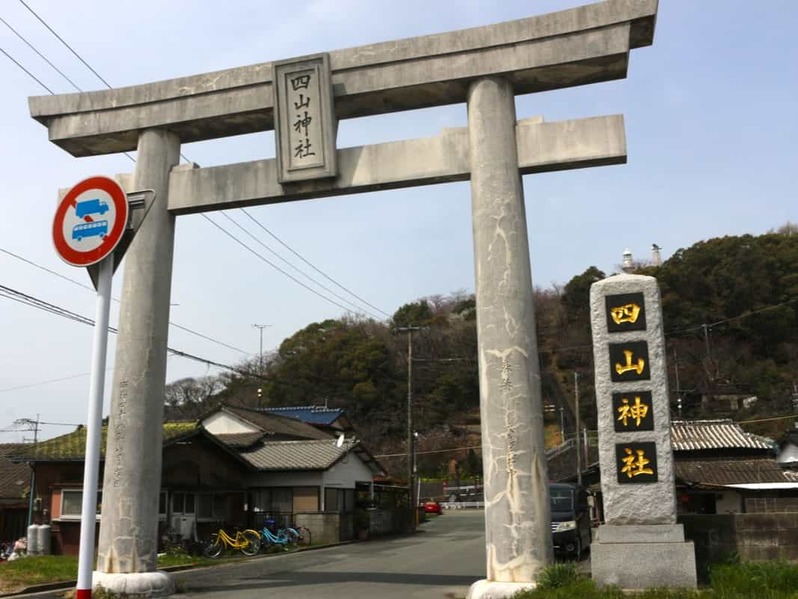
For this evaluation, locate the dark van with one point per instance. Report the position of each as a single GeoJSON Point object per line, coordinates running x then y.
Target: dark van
{"type": "Point", "coordinates": [570, 519]}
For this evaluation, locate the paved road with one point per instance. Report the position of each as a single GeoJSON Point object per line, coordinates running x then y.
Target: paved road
{"type": "Point", "coordinates": [439, 561]}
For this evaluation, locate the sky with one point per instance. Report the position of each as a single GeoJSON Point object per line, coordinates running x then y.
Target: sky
{"type": "Point", "coordinates": [710, 114]}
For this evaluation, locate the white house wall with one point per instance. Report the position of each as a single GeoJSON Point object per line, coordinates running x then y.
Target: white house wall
{"type": "Point", "coordinates": [342, 475]}
{"type": "Point", "coordinates": [222, 423]}
{"type": "Point", "coordinates": [346, 473]}
{"type": "Point", "coordinates": [728, 502]}
{"type": "Point", "coordinates": [789, 455]}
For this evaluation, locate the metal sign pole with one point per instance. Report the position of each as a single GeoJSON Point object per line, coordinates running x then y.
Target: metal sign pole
{"type": "Point", "coordinates": [88, 514]}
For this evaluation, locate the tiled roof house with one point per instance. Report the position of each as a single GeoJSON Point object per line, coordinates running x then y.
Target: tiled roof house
{"type": "Point", "coordinates": [720, 468]}
{"type": "Point", "coordinates": [14, 485]}
{"type": "Point", "coordinates": [235, 466]}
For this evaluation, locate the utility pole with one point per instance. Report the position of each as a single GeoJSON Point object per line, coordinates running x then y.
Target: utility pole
{"type": "Point", "coordinates": [708, 346]}
{"type": "Point", "coordinates": [32, 425]}
{"type": "Point", "coordinates": [411, 449]}
{"type": "Point", "coordinates": [678, 392]}
{"type": "Point", "coordinates": [578, 422]}
{"type": "Point", "coordinates": [260, 352]}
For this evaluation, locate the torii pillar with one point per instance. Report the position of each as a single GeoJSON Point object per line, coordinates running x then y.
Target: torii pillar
{"type": "Point", "coordinates": [518, 530]}
{"type": "Point", "coordinates": [484, 67]}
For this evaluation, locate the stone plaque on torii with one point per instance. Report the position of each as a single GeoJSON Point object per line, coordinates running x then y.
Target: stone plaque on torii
{"type": "Point", "coordinates": [485, 67]}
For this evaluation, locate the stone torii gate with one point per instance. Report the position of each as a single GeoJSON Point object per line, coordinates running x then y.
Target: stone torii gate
{"type": "Point", "coordinates": [484, 67]}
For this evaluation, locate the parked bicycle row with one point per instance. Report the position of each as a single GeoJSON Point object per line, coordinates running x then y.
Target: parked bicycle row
{"type": "Point", "coordinates": [250, 541]}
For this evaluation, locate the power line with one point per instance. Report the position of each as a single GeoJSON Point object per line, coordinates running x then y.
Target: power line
{"type": "Point", "coordinates": [309, 278]}
{"type": "Point", "coordinates": [79, 284]}
{"type": "Point", "coordinates": [58, 380]}
{"type": "Point", "coordinates": [32, 301]}
{"type": "Point", "coordinates": [60, 39]}
{"type": "Point", "coordinates": [27, 72]}
{"type": "Point", "coordinates": [42, 56]}
{"type": "Point", "coordinates": [108, 85]}
{"type": "Point", "coordinates": [47, 270]}
{"type": "Point", "coordinates": [273, 265]}
{"type": "Point", "coordinates": [752, 312]}
{"type": "Point", "coordinates": [400, 455]}
{"type": "Point", "coordinates": [286, 246]}
{"type": "Point", "coordinates": [767, 419]}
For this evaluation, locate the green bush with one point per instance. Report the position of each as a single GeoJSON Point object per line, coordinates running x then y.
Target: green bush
{"type": "Point", "coordinates": [558, 575]}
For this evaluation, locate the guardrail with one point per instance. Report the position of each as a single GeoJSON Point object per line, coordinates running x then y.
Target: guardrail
{"type": "Point", "coordinates": [459, 505]}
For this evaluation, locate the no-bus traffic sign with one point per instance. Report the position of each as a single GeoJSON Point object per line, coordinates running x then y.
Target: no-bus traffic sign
{"type": "Point", "coordinates": [90, 221]}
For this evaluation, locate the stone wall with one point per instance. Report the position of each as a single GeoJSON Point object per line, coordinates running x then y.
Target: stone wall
{"type": "Point", "coordinates": [750, 537]}
{"type": "Point", "coordinates": [770, 505]}
{"type": "Point", "coordinates": [325, 527]}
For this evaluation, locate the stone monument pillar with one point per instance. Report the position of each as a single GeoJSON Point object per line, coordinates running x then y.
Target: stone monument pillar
{"type": "Point", "coordinates": [126, 560]}
{"type": "Point", "coordinates": [641, 545]}
{"type": "Point", "coordinates": [517, 528]}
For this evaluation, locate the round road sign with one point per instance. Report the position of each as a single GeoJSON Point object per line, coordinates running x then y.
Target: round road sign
{"type": "Point", "coordinates": [90, 221]}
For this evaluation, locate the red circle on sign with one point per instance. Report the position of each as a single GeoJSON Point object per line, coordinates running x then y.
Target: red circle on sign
{"type": "Point", "coordinates": [69, 249]}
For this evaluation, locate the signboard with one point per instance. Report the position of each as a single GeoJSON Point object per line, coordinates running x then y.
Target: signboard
{"type": "Point", "coordinates": [304, 119]}
{"type": "Point", "coordinates": [90, 221]}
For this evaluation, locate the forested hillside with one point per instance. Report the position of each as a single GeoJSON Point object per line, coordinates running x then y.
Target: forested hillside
{"type": "Point", "coordinates": [730, 312]}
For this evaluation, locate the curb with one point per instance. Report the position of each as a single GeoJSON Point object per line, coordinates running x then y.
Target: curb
{"type": "Point", "coordinates": [69, 584]}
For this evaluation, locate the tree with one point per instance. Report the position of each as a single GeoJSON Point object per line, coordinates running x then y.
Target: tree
{"type": "Point", "coordinates": [414, 314]}
{"type": "Point", "coordinates": [188, 398]}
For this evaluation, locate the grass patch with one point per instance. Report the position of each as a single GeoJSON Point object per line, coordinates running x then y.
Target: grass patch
{"type": "Point", "coordinates": [34, 570]}
{"type": "Point", "coordinates": [43, 569]}
{"type": "Point", "coordinates": [169, 561]}
{"type": "Point", "coordinates": [771, 580]}
{"type": "Point", "coordinates": [750, 580]}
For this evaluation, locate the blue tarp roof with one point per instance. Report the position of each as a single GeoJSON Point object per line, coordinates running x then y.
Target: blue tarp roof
{"type": "Point", "coordinates": [310, 414]}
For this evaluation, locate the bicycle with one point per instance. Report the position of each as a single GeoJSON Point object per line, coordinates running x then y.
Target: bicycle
{"type": "Point", "coordinates": [246, 541]}
{"type": "Point", "coordinates": [285, 536]}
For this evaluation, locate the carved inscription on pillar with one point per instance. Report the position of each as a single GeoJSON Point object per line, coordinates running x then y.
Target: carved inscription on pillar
{"type": "Point", "coordinates": [120, 424]}
{"type": "Point", "coordinates": [304, 119]}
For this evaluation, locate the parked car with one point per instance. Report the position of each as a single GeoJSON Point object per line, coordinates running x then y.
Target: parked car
{"type": "Point", "coordinates": [570, 519]}
{"type": "Point", "coordinates": [432, 507]}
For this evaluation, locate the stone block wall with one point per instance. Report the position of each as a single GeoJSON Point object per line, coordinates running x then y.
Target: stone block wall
{"type": "Point", "coordinates": [749, 537]}
{"type": "Point", "coordinates": [771, 504]}
{"type": "Point", "coordinates": [325, 527]}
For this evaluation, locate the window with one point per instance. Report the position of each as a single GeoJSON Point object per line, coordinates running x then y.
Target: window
{"type": "Point", "coordinates": [282, 500]}
{"type": "Point", "coordinates": [334, 500]}
{"type": "Point", "coordinates": [183, 503]}
{"type": "Point", "coordinates": [72, 503]}
{"type": "Point", "coordinates": [306, 499]}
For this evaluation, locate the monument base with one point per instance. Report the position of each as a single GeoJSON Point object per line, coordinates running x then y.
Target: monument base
{"type": "Point", "coordinates": [490, 589]}
{"type": "Point", "coordinates": [142, 584]}
{"type": "Point", "coordinates": [643, 557]}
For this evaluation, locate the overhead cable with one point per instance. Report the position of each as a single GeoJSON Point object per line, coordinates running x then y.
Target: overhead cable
{"type": "Point", "coordinates": [108, 85]}
{"type": "Point", "coordinates": [30, 300]}
{"type": "Point", "coordinates": [297, 269]}
{"type": "Point", "coordinates": [79, 284]}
